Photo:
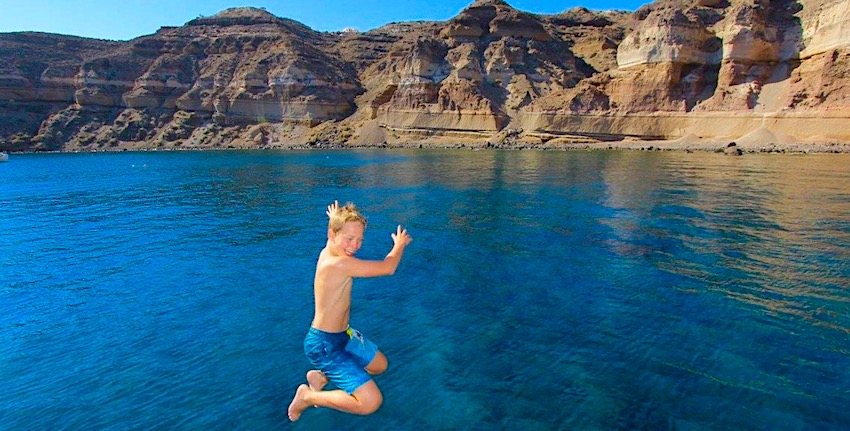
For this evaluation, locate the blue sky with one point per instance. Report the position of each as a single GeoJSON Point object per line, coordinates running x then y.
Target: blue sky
{"type": "Point", "coordinates": [127, 19]}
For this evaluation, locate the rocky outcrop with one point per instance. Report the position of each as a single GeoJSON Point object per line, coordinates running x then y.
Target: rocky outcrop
{"type": "Point", "coordinates": [716, 69]}
{"type": "Point", "coordinates": [708, 69]}
{"type": "Point", "coordinates": [475, 74]}
{"type": "Point", "coordinates": [243, 65]}
{"type": "Point", "coordinates": [240, 67]}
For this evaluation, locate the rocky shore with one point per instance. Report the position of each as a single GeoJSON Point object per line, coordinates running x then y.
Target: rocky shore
{"type": "Point", "coordinates": [683, 145]}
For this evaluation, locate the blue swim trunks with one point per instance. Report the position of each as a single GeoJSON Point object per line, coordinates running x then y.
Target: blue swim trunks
{"type": "Point", "coordinates": [341, 356]}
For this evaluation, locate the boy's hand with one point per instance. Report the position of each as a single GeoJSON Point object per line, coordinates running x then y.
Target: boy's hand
{"type": "Point", "coordinates": [332, 208]}
{"type": "Point", "coordinates": [400, 237]}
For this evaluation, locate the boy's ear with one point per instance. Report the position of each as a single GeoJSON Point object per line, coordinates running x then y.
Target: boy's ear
{"type": "Point", "coordinates": [330, 234]}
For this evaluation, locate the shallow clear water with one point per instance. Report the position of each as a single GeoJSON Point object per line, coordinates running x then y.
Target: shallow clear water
{"type": "Point", "coordinates": [543, 290]}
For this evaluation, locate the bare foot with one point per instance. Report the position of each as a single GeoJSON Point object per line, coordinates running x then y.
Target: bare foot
{"type": "Point", "coordinates": [298, 405]}
{"type": "Point", "coordinates": [316, 379]}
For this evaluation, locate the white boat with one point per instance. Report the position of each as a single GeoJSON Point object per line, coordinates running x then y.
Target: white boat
{"type": "Point", "coordinates": [4, 157]}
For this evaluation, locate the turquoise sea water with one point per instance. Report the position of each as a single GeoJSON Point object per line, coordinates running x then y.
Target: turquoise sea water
{"type": "Point", "coordinates": [542, 291]}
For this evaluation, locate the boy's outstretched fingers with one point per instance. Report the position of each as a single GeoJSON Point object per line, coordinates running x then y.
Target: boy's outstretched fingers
{"type": "Point", "coordinates": [401, 235]}
{"type": "Point", "coordinates": [332, 208]}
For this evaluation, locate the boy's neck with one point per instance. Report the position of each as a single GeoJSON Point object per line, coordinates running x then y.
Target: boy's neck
{"type": "Point", "coordinates": [332, 250]}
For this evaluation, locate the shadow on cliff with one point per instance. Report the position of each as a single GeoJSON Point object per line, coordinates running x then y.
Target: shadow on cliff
{"type": "Point", "coordinates": [781, 16]}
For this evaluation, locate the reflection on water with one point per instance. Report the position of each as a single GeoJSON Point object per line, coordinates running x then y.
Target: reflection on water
{"type": "Point", "coordinates": [775, 229]}
{"type": "Point", "coordinates": [543, 290]}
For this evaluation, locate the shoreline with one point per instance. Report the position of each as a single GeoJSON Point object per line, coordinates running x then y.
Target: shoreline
{"type": "Point", "coordinates": [679, 145]}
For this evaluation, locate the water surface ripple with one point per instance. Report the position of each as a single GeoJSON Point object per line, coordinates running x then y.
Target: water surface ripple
{"type": "Point", "coordinates": [543, 290]}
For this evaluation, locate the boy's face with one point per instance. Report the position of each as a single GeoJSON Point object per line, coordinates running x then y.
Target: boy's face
{"type": "Point", "coordinates": [349, 239]}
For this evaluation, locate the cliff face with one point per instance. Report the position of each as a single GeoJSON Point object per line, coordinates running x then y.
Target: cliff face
{"type": "Point", "coordinates": [718, 69]}
{"type": "Point", "coordinates": [715, 69]}
{"type": "Point", "coordinates": [195, 84]}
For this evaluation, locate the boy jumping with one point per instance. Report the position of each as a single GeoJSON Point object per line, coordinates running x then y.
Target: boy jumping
{"type": "Point", "coordinates": [340, 353]}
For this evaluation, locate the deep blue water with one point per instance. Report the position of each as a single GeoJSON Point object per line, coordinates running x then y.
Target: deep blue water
{"type": "Point", "coordinates": [542, 291]}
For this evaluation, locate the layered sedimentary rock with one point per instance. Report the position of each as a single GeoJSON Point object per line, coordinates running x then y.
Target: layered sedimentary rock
{"type": "Point", "coordinates": [712, 69]}
{"type": "Point", "coordinates": [474, 74]}
{"type": "Point", "coordinates": [38, 77]}
{"type": "Point", "coordinates": [243, 66]}
{"type": "Point", "coordinates": [717, 69]}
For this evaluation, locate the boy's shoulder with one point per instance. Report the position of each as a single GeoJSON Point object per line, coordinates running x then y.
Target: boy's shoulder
{"type": "Point", "coordinates": [326, 258]}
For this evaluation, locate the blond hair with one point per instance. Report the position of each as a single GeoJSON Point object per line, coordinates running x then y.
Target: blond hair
{"type": "Point", "coordinates": [345, 214]}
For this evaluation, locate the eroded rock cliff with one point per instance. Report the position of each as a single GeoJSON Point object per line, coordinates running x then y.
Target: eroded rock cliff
{"type": "Point", "coordinates": [715, 70]}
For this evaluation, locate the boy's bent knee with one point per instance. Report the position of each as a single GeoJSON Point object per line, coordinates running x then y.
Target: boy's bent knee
{"type": "Point", "coordinates": [369, 398]}
{"type": "Point", "coordinates": [374, 371]}
{"type": "Point", "coordinates": [378, 365]}
{"type": "Point", "coordinates": [367, 408]}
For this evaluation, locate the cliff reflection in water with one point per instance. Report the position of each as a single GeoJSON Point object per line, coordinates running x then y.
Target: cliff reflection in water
{"type": "Point", "coordinates": [772, 232]}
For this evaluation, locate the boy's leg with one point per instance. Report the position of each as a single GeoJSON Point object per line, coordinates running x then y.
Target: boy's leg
{"type": "Point", "coordinates": [378, 365]}
{"type": "Point", "coordinates": [318, 380]}
{"type": "Point", "coordinates": [366, 352]}
{"type": "Point", "coordinates": [365, 400]}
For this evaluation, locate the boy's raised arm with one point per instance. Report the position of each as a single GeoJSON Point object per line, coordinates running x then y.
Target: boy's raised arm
{"type": "Point", "coordinates": [375, 268]}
